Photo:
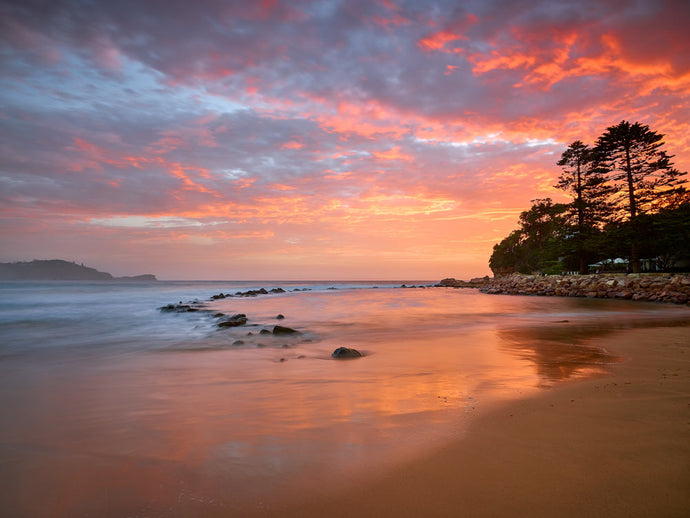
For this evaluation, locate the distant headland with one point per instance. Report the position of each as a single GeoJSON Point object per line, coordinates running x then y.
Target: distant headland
{"type": "Point", "coordinates": [59, 270]}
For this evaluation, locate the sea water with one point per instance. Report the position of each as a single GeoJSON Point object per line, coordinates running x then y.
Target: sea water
{"type": "Point", "coordinates": [110, 407]}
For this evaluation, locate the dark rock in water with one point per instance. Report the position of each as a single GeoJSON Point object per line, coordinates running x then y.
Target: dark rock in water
{"type": "Point", "coordinates": [280, 317]}
{"type": "Point", "coordinates": [346, 352]}
{"type": "Point", "coordinates": [238, 342]}
{"type": "Point", "coordinates": [236, 320]}
{"type": "Point", "coordinates": [178, 308]}
{"type": "Point", "coordinates": [219, 296]}
{"type": "Point", "coordinates": [218, 315]}
{"type": "Point", "coordinates": [277, 290]}
{"type": "Point", "coordinates": [264, 332]}
{"type": "Point", "coordinates": [280, 330]}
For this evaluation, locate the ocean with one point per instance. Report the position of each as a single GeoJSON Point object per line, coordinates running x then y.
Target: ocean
{"type": "Point", "coordinates": [111, 407]}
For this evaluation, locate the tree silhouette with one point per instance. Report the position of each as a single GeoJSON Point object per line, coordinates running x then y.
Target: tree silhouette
{"type": "Point", "coordinates": [582, 180]}
{"type": "Point", "coordinates": [640, 171]}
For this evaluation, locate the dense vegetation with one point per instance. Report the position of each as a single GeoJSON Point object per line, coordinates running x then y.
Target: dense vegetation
{"type": "Point", "coordinates": [628, 203]}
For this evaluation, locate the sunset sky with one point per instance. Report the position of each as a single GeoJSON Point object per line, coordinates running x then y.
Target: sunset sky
{"type": "Point", "coordinates": [377, 139]}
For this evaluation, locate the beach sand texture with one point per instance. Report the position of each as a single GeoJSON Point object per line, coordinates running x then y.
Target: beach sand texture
{"type": "Point", "coordinates": [616, 445]}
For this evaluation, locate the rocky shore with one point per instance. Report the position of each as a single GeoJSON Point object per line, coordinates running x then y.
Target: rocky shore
{"type": "Point", "coordinates": [668, 288]}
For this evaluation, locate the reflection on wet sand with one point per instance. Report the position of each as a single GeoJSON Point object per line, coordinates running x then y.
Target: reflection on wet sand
{"type": "Point", "coordinates": [557, 356]}
{"type": "Point", "coordinates": [560, 350]}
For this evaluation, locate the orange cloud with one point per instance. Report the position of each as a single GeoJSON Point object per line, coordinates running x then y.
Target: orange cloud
{"type": "Point", "coordinates": [392, 154]}
{"type": "Point", "coordinates": [438, 41]}
{"type": "Point", "coordinates": [292, 145]}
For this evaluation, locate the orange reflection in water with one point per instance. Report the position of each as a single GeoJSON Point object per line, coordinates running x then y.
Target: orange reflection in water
{"type": "Point", "coordinates": [206, 426]}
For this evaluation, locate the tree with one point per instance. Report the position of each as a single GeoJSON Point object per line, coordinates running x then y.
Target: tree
{"type": "Point", "coordinates": [641, 172]}
{"type": "Point", "coordinates": [536, 245]}
{"type": "Point", "coordinates": [506, 257]}
{"type": "Point", "coordinates": [582, 180]}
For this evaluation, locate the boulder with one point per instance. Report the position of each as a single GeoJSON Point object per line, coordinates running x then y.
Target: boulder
{"type": "Point", "coordinates": [281, 330]}
{"type": "Point", "coordinates": [346, 352]}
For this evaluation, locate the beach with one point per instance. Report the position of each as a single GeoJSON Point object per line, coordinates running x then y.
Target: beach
{"type": "Point", "coordinates": [613, 445]}
{"type": "Point", "coordinates": [463, 404]}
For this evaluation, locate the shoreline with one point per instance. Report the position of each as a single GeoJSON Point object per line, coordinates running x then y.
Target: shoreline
{"type": "Point", "coordinates": [612, 445]}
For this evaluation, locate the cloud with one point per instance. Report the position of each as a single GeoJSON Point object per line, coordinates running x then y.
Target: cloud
{"type": "Point", "coordinates": [293, 129]}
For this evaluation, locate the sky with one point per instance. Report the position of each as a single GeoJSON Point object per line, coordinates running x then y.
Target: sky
{"type": "Point", "coordinates": [326, 139]}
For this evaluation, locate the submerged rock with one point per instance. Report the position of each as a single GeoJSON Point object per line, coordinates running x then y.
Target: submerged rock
{"type": "Point", "coordinates": [178, 308]}
{"type": "Point", "coordinates": [346, 352]}
{"type": "Point", "coordinates": [236, 320]}
{"type": "Point", "coordinates": [281, 330]}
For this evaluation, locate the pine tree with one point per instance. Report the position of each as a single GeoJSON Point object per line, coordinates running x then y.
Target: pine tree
{"type": "Point", "coordinates": [582, 180]}
{"type": "Point", "coordinates": [641, 173]}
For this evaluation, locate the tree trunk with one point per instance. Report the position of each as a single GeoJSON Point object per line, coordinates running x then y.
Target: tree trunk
{"type": "Point", "coordinates": [635, 247]}
{"type": "Point", "coordinates": [635, 255]}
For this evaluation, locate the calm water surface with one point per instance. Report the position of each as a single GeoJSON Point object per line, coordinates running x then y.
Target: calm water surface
{"type": "Point", "coordinates": [112, 408]}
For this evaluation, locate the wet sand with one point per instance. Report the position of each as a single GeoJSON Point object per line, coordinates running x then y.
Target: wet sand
{"type": "Point", "coordinates": [614, 445]}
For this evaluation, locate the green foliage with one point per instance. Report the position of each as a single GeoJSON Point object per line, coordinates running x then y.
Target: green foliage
{"type": "Point", "coordinates": [627, 201]}
{"type": "Point", "coordinates": [536, 246]}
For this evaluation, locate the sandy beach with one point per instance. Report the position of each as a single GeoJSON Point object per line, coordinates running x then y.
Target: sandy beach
{"type": "Point", "coordinates": [615, 445]}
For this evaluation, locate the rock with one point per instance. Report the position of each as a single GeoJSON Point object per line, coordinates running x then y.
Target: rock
{"type": "Point", "coordinates": [178, 308]}
{"type": "Point", "coordinates": [277, 290]}
{"type": "Point", "coordinates": [280, 317]}
{"type": "Point", "coordinates": [643, 287]}
{"type": "Point", "coordinates": [346, 352]}
{"type": "Point", "coordinates": [281, 330]}
{"type": "Point", "coordinates": [236, 320]}
{"type": "Point", "coordinates": [264, 332]}
{"type": "Point", "coordinates": [238, 342]}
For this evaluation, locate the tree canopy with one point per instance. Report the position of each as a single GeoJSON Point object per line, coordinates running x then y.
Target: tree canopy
{"type": "Point", "coordinates": [628, 201]}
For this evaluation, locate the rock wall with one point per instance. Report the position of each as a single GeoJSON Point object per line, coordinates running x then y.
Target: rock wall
{"type": "Point", "coordinates": [669, 288]}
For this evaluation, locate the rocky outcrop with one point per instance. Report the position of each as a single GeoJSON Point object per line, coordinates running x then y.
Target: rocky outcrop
{"type": "Point", "coordinates": [477, 282]}
{"type": "Point", "coordinates": [669, 288]}
{"type": "Point", "coordinates": [248, 293]}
